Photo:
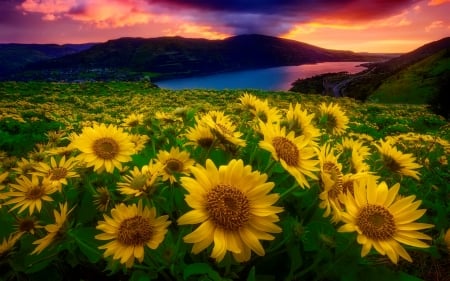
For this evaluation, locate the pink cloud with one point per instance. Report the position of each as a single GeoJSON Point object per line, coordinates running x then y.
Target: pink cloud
{"type": "Point", "coordinates": [437, 2]}
{"type": "Point", "coordinates": [112, 13]}
{"type": "Point", "coordinates": [434, 25]}
{"type": "Point", "coordinates": [101, 13]}
{"type": "Point", "coordinates": [48, 6]}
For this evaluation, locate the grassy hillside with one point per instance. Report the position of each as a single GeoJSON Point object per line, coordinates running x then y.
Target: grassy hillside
{"type": "Point", "coordinates": [130, 59]}
{"type": "Point", "coordinates": [415, 84]}
{"type": "Point", "coordinates": [90, 172]}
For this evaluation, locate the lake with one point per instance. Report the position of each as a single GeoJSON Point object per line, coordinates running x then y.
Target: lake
{"type": "Point", "coordinates": [274, 78]}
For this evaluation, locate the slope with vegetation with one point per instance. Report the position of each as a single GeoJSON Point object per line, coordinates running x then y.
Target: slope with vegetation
{"type": "Point", "coordinates": [14, 57]}
{"type": "Point", "coordinates": [420, 77]}
{"type": "Point", "coordinates": [169, 57]}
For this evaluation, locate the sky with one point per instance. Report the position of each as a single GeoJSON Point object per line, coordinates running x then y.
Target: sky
{"type": "Point", "coordinates": [376, 26]}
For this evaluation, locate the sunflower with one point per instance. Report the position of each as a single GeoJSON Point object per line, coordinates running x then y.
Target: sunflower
{"type": "Point", "coordinates": [25, 166]}
{"type": "Point", "coordinates": [104, 147]}
{"type": "Point", "coordinates": [300, 122]}
{"type": "Point", "coordinates": [167, 117]}
{"type": "Point", "coordinates": [55, 137]}
{"type": "Point", "coordinates": [357, 163]}
{"type": "Point", "coordinates": [139, 141]}
{"type": "Point", "coordinates": [7, 244]}
{"type": "Point", "coordinates": [200, 136]}
{"type": "Point", "coordinates": [265, 113]}
{"type": "Point", "coordinates": [447, 239]}
{"type": "Point", "coordinates": [383, 220]}
{"type": "Point", "coordinates": [29, 193]}
{"type": "Point", "coordinates": [233, 207]}
{"type": "Point", "coordinates": [354, 153]}
{"type": "Point", "coordinates": [397, 161]}
{"type": "Point", "coordinates": [223, 128]}
{"type": "Point", "coordinates": [330, 182]}
{"type": "Point", "coordinates": [333, 118]}
{"type": "Point", "coordinates": [131, 228]}
{"type": "Point", "coordinates": [39, 153]}
{"type": "Point", "coordinates": [102, 198]}
{"type": "Point", "coordinates": [175, 162]}
{"type": "Point", "coordinates": [61, 151]}
{"type": "Point", "coordinates": [58, 173]}
{"type": "Point", "coordinates": [348, 145]}
{"type": "Point", "coordinates": [27, 225]}
{"type": "Point", "coordinates": [249, 101]}
{"type": "Point", "coordinates": [140, 182]}
{"type": "Point", "coordinates": [3, 176]}
{"type": "Point", "coordinates": [349, 181]}
{"type": "Point", "coordinates": [294, 153]}
{"type": "Point", "coordinates": [133, 120]}
{"type": "Point", "coordinates": [53, 230]}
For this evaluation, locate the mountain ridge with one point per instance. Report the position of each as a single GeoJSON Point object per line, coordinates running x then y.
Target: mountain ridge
{"type": "Point", "coordinates": [134, 58]}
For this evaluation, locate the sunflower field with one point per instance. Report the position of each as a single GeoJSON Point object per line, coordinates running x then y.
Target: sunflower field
{"type": "Point", "coordinates": [125, 181]}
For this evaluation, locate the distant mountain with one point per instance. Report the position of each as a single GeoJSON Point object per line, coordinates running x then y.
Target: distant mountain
{"type": "Point", "coordinates": [365, 84]}
{"type": "Point", "coordinates": [423, 68]}
{"type": "Point", "coordinates": [170, 57]}
{"type": "Point", "coordinates": [14, 57]}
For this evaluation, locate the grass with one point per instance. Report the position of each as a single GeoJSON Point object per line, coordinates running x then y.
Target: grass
{"type": "Point", "coordinates": [39, 120]}
{"type": "Point", "coordinates": [415, 84]}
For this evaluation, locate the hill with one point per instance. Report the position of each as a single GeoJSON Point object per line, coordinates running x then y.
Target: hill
{"type": "Point", "coordinates": [365, 84]}
{"type": "Point", "coordinates": [170, 57]}
{"type": "Point", "coordinates": [422, 68]}
{"type": "Point", "coordinates": [416, 83]}
{"type": "Point", "coordinates": [14, 57]}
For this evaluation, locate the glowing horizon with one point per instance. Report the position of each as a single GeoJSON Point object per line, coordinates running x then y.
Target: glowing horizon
{"type": "Point", "coordinates": [377, 26]}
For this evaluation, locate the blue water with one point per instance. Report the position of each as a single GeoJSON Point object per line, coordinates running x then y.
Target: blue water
{"type": "Point", "coordinates": [275, 78]}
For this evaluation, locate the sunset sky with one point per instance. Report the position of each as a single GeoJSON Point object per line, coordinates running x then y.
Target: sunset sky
{"type": "Point", "coordinates": [358, 25]}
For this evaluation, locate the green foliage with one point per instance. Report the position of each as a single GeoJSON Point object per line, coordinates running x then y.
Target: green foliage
{"type": "Point", "coordinates": [309, 246]}
{"type": "Point", "coordinates": [417, 83]}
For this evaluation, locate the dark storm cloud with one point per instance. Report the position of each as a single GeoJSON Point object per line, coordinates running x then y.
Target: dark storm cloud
{"type": "Point", "coordinates": [278, 16]}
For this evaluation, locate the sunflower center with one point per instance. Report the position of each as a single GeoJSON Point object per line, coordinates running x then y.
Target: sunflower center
{"type": "Point", "coordinates": [58, 173]}
{"type": "Point", "coordinates": [173, 166]}
{"type": "Point", "coordinates": [133, 123]}
{"type": "Point", "coordinates": [205, 142]}
{"type": "Point", "coordinates": [135, 231]}
{"type": "Point", "coordinates": [376, 222]}
{"type": "Point", "coordinates": [35, 193]}
{"type": "Point", "coordinates": [286, 150]}
{"type": "Point", "coordinates": [138, 182]}
{"type": "Point", "coordinates": [228, 207]}
{"type": "Point", "coordinates": [391, 164]}
{"type": "Point", "coordinates": [27, 225]}
{"type": "Point", "coordinates": [106, 148]}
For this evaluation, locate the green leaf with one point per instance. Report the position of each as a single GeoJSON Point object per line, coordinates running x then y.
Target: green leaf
{"type": "Point", "coordinates": [251, 275]}
{"type": "Point", "coordinates": [84, 237]}
{"type": "Point", "coordinates": [201, 269]}
{"type": "Point", "coordinates": [406, 277]}
{"type": "Point", "coordinates": [140, 275]}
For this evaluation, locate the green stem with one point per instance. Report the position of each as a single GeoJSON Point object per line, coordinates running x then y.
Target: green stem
{"type": "Point", "coordinates": [289, 190]}
{"type": "Point", "coordinates": [206, 154]}
{"type": "Point", "coordinates": [269, 167]}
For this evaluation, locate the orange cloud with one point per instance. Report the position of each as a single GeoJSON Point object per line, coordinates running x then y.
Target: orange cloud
{"type": "Point", "coordinates": [435, 24]}
{"type": "Point", "coordinates": [399, 20]}
{"type": "Point", "coordinates": [48, 6]}
{"type": "Point", "coordinates": [112, 13]}
{"type": "Point", "coordinates": [437, 2]}
{"type": "Point", "coordinates": [195, 30]}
